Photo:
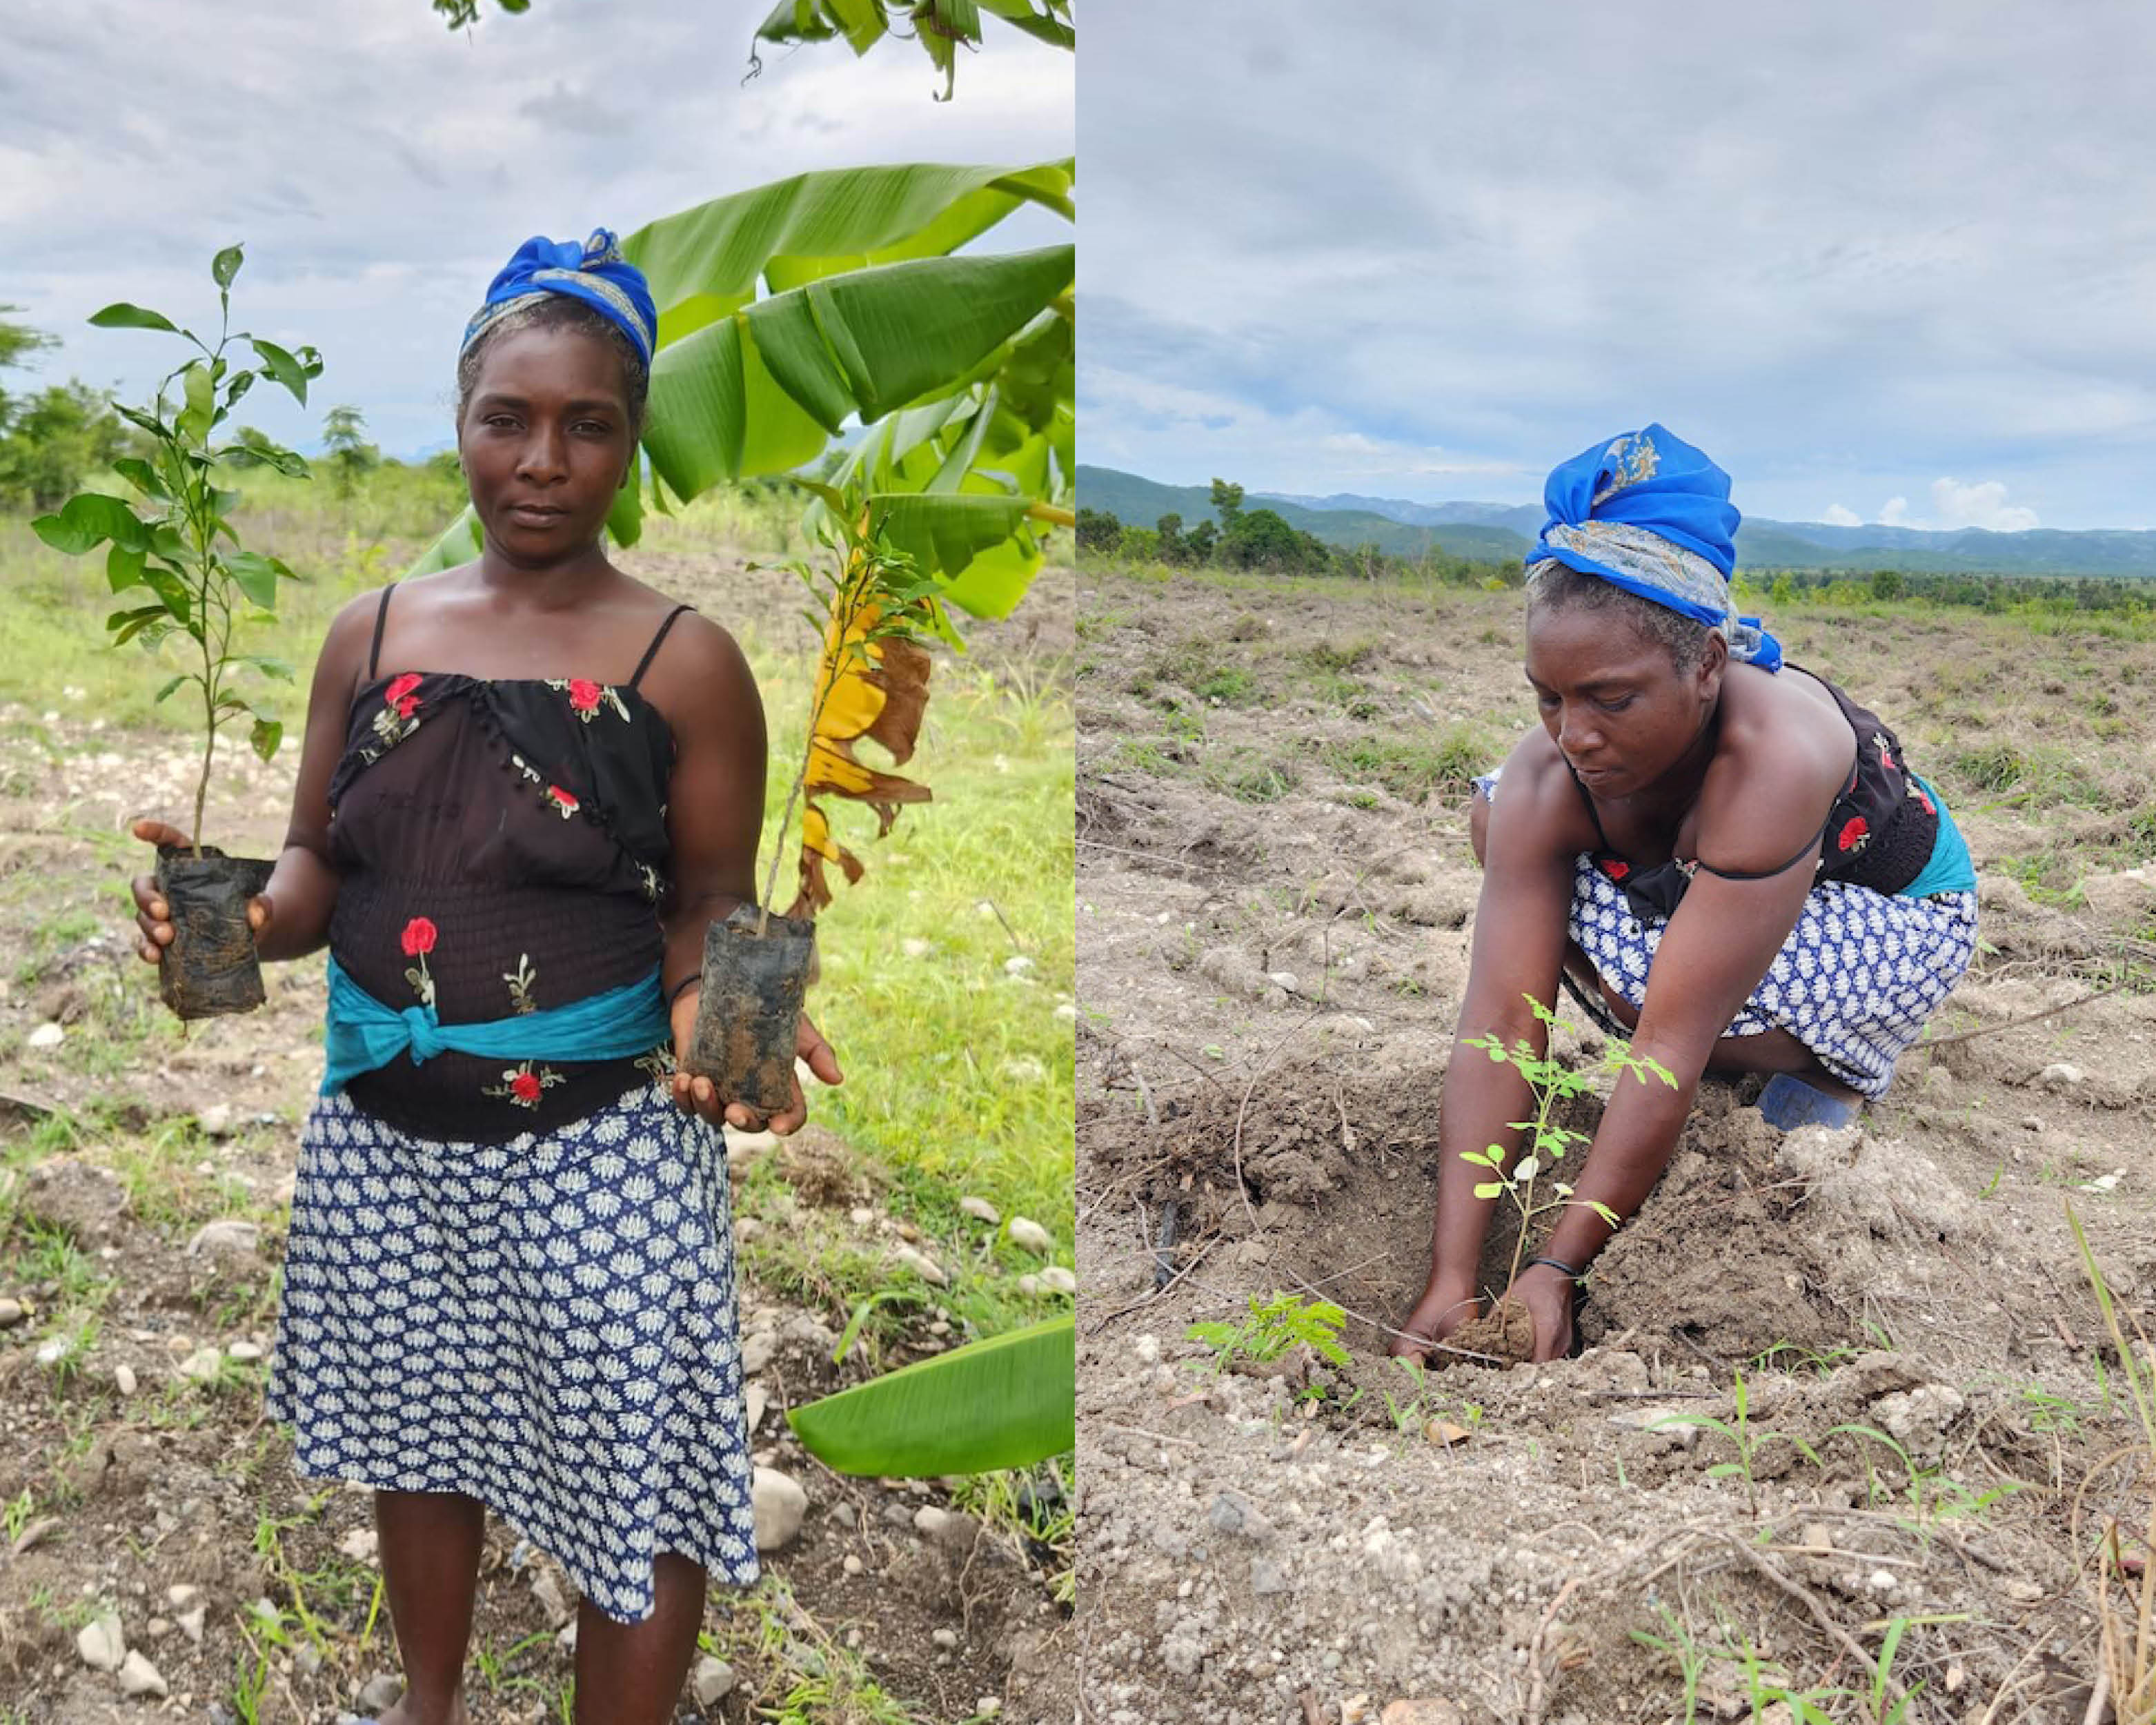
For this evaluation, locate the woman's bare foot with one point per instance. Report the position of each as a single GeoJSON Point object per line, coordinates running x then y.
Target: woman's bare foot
{"type": "Point", "coordinates": [406, 1712]}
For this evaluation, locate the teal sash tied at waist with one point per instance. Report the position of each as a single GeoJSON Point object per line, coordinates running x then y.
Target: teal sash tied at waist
{"type": "Point", "coordinates": [360, 1034]}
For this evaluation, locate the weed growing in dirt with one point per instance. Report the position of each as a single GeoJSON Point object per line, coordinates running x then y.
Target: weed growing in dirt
{"type": "Point", "coordinates": [1748, 1442]}
{"type": "Point", "coordinates": [17, 1515]}
{"type": "Point", "coordinates": [1035, 1508]}
{"type": "Point", "coordinates": [1411, 770]}
{"type": "Point", "coordinates": [2123, 1561]}
{"type": "Point", "coordinates": [1550, 1082]}
{"type": "Point", "coordinates": [1273, 1327]}
{"type": "Point", "coordinates": [1932, 1492]}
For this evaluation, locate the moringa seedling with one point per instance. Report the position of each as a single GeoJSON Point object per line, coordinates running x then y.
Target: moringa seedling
{"type": "Point", "coordinates": [1550, 1082]}
{"type": "Point", "coordinates": [1273, 1327]}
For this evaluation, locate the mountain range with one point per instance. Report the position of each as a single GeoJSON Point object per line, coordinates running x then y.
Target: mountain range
{"type": "Point", "coordinates": [1500, 531]}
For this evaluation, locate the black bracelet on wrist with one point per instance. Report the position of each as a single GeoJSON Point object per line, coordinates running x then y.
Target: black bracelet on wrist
{"type": "Point", "coordinates": [1559, 1264]}
{"type": "Point", "coordinates": [683, 987]}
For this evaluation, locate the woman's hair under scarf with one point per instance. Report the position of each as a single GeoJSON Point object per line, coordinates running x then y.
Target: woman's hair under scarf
{"type": "Point", "coordinates": [594, 272]}
{"type": "Point", "coordinates": [1648, 512]}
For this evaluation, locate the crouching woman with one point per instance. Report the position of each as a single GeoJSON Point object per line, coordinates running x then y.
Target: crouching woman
{"type": "Point", "coordinates": [1727, 855]}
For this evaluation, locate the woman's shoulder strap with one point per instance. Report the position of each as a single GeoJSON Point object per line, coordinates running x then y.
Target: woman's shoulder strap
{"type": "Point", "coordinates": [380, 617]}
{"type": "Point", "coordinates": [651, 652]}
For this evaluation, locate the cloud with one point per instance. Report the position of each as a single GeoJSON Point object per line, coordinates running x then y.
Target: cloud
{"type": "Point", "coordinates": [1983, 504]}
{"type": "Point", "coordinates": [1953, 505]}
{"type": "Point", "coordinates": [1397, 238]}
{"type": "Point", "coordinates": [443, 151]}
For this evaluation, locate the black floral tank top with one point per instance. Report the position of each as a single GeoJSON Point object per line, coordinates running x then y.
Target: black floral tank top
{"type": "Point", "coordinates": [502, 848]}
{"type": "Point", "coordinates": [1879, 833]}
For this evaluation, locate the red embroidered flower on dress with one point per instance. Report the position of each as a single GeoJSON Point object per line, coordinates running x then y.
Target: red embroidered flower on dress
{"type": "Point", "coordinates": [1853, 835]}
{"type": "Point", "coordinates": [525, 1087]}
{"type": "Point", "coordinates": [563, 800]}
{"type": "Point", "coordinates": [584, 694]}
{"type": "Point", "coordinates": [1615, 869]}
{"type": "Point", "coordinates": [419, 935]}
{"type": "Point", "coordinates": [1930, 806]}
{"type": "Point", "coordinates": [399, 694]}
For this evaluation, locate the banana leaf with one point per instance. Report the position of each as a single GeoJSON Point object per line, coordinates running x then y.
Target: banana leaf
{"type": "Point", "coordinates": [1008, 1401]}
{"type": "Point", "coordinates": [860, 313]}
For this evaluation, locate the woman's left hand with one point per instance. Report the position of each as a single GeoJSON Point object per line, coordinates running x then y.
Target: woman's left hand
{"type": "Point", "coordinates": [698, 1097]}
{"type": "Point", "coordinates": [1547, 1294]}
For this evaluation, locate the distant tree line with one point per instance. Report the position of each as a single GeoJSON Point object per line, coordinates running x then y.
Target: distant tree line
{"type": "Point", "coordinates": [1260, 539]}
{"type": "Point", "coordinates": [50, 437]}
{"type": "Point", "coordinates": [1238, 538]}
{"type": "Point", "coordinates": [2127, 595]}
{"type": "Point", "coordinates": [53, 439]}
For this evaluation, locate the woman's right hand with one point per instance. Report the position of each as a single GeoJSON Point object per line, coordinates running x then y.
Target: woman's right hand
{"type": "Point", "coordinates": [152, 915]}
{"type": "Point", "coordinates": [1440, 1312]}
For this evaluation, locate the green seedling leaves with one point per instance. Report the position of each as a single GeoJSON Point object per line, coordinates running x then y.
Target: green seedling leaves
{"type": "Point", "coordinates": [139, 473]}
{"type": "Point", "coordinates": [256, 576]}
{"type": "Point", "coordinates": [226, 264]}
{"type": "Point", "coordinates": [121, 315]}
{"type": "Point", "coordinates": [1273, 1327]}
{"type": "Point", "coordinates": [286, 368]}
{"type": "Point", "coordinates": [127, 624]}
{"type": "Point", "coordinates": [89, 519]}
{"type": "Point", "coordinates": [123, 568]}
{"type": "Point", "coordinates": [199, 391]}
{"type": "Point", "coordinates": [266, 736]}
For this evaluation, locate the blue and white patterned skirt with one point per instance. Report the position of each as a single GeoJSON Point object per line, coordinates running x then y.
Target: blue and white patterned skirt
{"type": "Point", "coordinates": [1854, 981]}
{"type": "Point", "coordinates": [546, 1325]}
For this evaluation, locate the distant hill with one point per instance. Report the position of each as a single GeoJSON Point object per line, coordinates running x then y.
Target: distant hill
{"type": "Point", "coordinates": [1503, 529]}
{"type": "Point", "coordinates": [1140, 502]}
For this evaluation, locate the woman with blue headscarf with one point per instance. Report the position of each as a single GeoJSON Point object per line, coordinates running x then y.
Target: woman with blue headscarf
{"type": "Point", "coordinates": [1725, 855]}
{"type": "Point", "coordinates": [529, 785]}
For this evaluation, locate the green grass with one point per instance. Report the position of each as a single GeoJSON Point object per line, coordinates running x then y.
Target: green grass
{"type": "Point", "coordinates": [1411, 769]}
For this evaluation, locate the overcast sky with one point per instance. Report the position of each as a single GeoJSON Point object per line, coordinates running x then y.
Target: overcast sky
{"type": "Point", "coordinates": [1881, 262]}
{"type": "Point", "coordinates": [381, 169]}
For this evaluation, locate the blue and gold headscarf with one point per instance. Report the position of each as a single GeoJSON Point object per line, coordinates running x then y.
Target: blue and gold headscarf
{"type": "Point", "coordinates": [1649, 513]}
{"type": "Point", "coordinates": [594, 272]}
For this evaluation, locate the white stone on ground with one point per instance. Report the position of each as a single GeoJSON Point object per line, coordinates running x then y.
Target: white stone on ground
{"type": "Point", "coordinates": [227, 1234]}
{"type": "Point", "coordinates": [138, 1676]}
{"type": "Point", "coordinates": [1058, 1280]}
{"type": "Point", "coordinates": [922, 1265]}
{"type": "Point", "coordinates": [980, 1210]}
{"type": "Point", "coordinates": [931, 1520]}
{"type": "Point", "coordinates": [780, 1503]}
{"type": "Point", "coordinates": [201, 1365]}
{"type": "Point", "coordinates": [360, 1544]}
{"type": "Point", "coordinates": [101, 1642]}
{"type": "Point", "coordinates": [1030, 1235]}
{"type": "Point", "coordinates": [712, 1680]}
{"type": "Point", "coordinates": [379, 1693]}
